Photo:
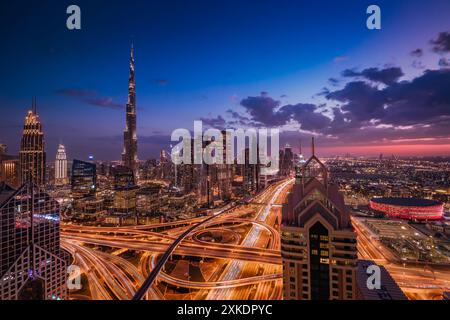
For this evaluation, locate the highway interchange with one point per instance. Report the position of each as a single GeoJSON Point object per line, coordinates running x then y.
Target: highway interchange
{"type": "Point", "coordinates": [250, 269]}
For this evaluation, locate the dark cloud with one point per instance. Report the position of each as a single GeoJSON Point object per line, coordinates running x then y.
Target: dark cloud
{"type": "Point", "coordinates": [387, 76]}
{"type": "Point", "coordinates": [236, 115]}
{"type": "Point", "coordinates": [333, 81]}
{"type": "Point", "coordinates": [75, 93]}
{"type": "Point", "coordinates": [417, 53]}
{"type": "Point", "coordinates": [324, 92]}
{"type": "Point", "coordinates": [267, 112]}
{"type": "Point", "coordinates": [161, 82]}
{"type": "Point", "coordinates": [104, 102]}
{"type": "Point", "coordinates": [443, 62]}
{"type": "Point", "coordinates": [442, 43]}
{"type": "Point", "coordinates": [305, 114]}
{"type": "Point", "coordinates": [262, 109]}
{"type": "Point", "coordinates": [363, 101]}
{"type": "Point", "coordinates": [90, 97]}
{"type": "Point", "coordinates": [217, 122]}
{"type": "Point", "coordinates": [417, 64]}
{"type": "Point", "coordinates": [425, 99]}
{"type": "Point", "coordinates": [423, 103]}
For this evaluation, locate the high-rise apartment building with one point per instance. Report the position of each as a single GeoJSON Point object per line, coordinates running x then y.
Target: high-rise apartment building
{"type": "Point", "coordinates": [61, 166]}
{"type": "Point", "coordinates": [32, 264]}
{"type": "Point", "coordinates": [32, 153]}
{"type": "Point", "coordinates": [318, 244]}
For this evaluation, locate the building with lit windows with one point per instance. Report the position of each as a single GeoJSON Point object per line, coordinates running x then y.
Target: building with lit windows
{"type": "Point", "coordinates": [32, 264]}
{"type": "Point", "coordinates": [251, 172]}
{"type": "Point", "coordinates": [124, 191]}
{"type": "Point", "coordinates": [61, 166]}
{"type": "Point", "coordinates": [318, 244]}
{"type": "Point", "coordinates": [9, 168]}
{"type": "Point", "coordinates": [287, 161]}
{"type": "Point", "coordinates": [32, 152]}
{"type": "Point", "coordinates": [84, 179]}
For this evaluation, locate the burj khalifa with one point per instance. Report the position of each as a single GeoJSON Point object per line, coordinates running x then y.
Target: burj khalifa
{"type": "Point", "coordinates": [129, 155]}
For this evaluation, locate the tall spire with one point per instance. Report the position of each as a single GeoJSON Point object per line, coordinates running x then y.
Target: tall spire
{"type": "Point", "coordinates": [313, 147]}
{"type": "Point", "coordinates": [129, 155]}
{"type": "Point", "coordinates": [132, 63]}
{"type": "Point", "coordinates": [300, 146]}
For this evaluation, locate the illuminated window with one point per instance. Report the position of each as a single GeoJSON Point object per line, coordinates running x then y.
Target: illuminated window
{"type": "Point", "coordinates": [314, 252]}
{"type": "Point", "coordinates": [324, 260]}
{"type": "Point", "coordinates": [324, 238]}
{"type": "Point", "coordinates": [324, 253]}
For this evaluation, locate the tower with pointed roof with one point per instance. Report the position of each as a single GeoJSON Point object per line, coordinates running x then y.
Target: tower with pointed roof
{"type": "Point", "coordinates": [318, 244]}
{"type": "Point", "coordinates": [32, 149]}
{"type": "Point", "coordinates": [129, 155]}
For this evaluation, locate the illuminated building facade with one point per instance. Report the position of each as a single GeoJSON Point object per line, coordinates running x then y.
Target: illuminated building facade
{"type": "Point", "coordinates": [9, 168]}
{"type": "Point", "coordinates": [129, 155]}
{"type": "Point", "coordinates": [124, 191]}
{"type": "Point", "coordinates": [32, 264]}
{"type": "Point", "coordinates": [32, 154]}
{"type": "Point", "coordinates": [61, 166]}
{"type": "Point", "coordinates": [318, 244]}
{"type": "Point", "coordinates": [84, 179]}
{"type": "Point", "coordinates": [409, 208]}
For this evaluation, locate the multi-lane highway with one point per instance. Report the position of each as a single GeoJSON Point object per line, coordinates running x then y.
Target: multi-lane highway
{"type": "Point", "coordinates": [417, 281]}
{"type": "Point", "coordinates": [112, 277]}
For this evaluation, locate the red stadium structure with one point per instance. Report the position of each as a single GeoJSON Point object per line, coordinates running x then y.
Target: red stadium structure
{"type": "Point", "coordinates": [408, 208]}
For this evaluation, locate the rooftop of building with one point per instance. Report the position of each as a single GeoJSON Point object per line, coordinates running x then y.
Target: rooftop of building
{"type": "Point", "coordinates": [406, 202]}
{"type": "Point", "coordinates": [389, 290]}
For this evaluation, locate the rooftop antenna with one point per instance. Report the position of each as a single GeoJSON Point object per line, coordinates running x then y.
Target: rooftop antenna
{"type": "Point", "coordinates": [313, 147]}
{"type": "Point", "coordinates": [300, 146]}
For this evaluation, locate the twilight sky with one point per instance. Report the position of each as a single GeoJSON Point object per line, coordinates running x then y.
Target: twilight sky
{"type": "Point", "coordinates": [306, 67]}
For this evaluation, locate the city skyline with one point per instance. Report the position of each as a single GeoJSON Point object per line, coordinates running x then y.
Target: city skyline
{"type": "Point", "coordinates": [353, 96]}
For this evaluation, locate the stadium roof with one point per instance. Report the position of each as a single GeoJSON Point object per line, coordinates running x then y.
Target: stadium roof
{"type": "Point", "coordinates": [407, 202]}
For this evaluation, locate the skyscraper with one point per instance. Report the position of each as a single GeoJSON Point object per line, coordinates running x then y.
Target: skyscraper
{"type": "Point", "coordinates": [124, 191]}
{"type": "Point", "coordinates": [318, 244]}
{"type": "Point", "coordinates": [129, 155]}
{"type": "Point", "coordinates": [287, 162]}
{"type": "Point", "coordinates": [84, 179]}
{"type": "Point", "coordinates": [32, 154]}
{"type": "Point", "coordinates": [61, 166]}
{"type": "Point", "coordinates": [32, 263]}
